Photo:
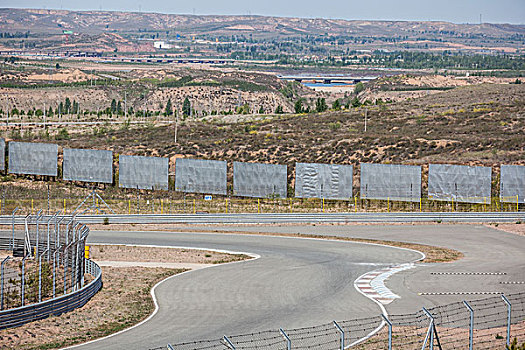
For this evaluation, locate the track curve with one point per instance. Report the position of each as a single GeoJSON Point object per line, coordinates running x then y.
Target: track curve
{"type": "Point", "coordinates": [296, 282]}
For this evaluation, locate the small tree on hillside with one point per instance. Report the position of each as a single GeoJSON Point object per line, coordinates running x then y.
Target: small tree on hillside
{"type": "Point", "coordinates": [186, 107]}
{"type": "Point", "coordinates": [169, 108]}
{"type": "Point", "coordinates": [299, 106]}
{"type": "Point", "coordinates": [113, 106]}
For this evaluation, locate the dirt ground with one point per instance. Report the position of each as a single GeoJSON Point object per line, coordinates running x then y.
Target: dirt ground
{"type": "Point", "coordinates": [518, 229]}
{"type": "Point", "coordinates": [163, 255]}
{"type": "Point", "coordinates": [123, 301]}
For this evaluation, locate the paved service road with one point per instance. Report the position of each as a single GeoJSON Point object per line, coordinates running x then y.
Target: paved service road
{"type": "Point", "coordinates": [295, 283]}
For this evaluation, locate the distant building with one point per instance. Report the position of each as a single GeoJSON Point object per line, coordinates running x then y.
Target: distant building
{"type": "Point", "coordinates": [161, 45]}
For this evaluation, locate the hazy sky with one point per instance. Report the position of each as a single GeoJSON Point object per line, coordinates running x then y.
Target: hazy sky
{"type": "Point", "coordinates": [459, 11]}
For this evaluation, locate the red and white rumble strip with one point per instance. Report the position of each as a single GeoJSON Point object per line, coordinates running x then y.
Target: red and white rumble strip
{"type": "Point", "coordinates": [372, 284]}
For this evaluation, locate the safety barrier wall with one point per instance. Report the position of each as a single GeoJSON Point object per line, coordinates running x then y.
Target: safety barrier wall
{"type": "Point", "coordinates": [391, 182]}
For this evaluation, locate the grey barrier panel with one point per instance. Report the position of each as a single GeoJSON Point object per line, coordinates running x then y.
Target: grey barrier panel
{"type": "Point", "coordinates": [33, 158]}
{"type": "Point", "coordinates": [88, 165]}
{"type": "Point", "coordinates": [2, 154]}
{"type": "Point", "coordinates": [512, 183]}
{"type": "Point", "coordinates": [330, 181]}
{"type": "Point", "coordinates": [391, 181]}
{"type": "Point", "coordinates": [143, 172]}
{"type": "Point", "coordinates": [200, 176]}
{"type": "Point", "coordinates": [259, 180]}
{"type": "Point", "coordinates": [461, 183]}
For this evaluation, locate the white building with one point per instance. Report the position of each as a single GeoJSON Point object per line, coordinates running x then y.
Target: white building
{"type": "Point", "coordinates": [161, 45]}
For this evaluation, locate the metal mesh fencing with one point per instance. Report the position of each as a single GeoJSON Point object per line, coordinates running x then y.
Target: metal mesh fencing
{"type": "Point", "coordinates": [88, 165]}
{"type": "Point", "coordinates": [512, 183]}
{"type": "Point", "coordinates": [391, 182]}
{"type": "Point", "coordinates": [200, 176]}
{"type": "Point", "coordinates": [330, 181]}
{"type": "Point", "coordinates": [46, 260]}
{"type": "Point", "coordinates": [2, 154]}
{"type": "Point", "coordinates": [33, 158]}
{"type": "Point", "coordinates": [488, 323]}
{"type": "Point", "coordinates": [143, 172]}
{"type": "Point", "coordinates": [459, 183]}
{"type": "Point", "coordinates": [259, 180]}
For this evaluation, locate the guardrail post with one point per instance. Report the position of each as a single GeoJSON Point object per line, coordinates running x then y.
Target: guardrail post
{"type": "Point", "coordinates": [13, 235]}
{"type": "Point", "coordinates": [342, 334]}
{"type": "Point", "coordinates": [471, 326]}
{"type": "Point", "coordinates": [287, 338]}
{"type": "Point", "coordinates": [389, 331]}
{"type": "Point", "coordinates": [228, 343]}
{"type": "Point", "coordinates": [2, 282]}
{"type": "Point", "coordinates": [509, 310]}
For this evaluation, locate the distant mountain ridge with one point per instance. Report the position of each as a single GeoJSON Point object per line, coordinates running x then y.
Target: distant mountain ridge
{"type": "Point", "coordinates": [95, 22]}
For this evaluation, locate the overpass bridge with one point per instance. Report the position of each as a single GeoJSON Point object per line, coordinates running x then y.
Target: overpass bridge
{"type": "Point", "coordinates": [327, 79]}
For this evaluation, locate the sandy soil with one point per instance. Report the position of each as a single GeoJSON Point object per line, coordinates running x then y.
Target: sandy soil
{"type": "Point", "coordinates": [518, 229]}
{"type": "Point", "coordinates": [163, 255]}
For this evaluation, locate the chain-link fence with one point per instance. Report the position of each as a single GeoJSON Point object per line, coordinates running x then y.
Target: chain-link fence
{"type": "Point", "coordinates": [175, 203]}
{"type": "Point", "coordinates": [42, 258]}
{"type": "Point", "coordinates": [489, 323]}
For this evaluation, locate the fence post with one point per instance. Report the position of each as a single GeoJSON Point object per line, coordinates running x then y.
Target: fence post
{"type": "Point", "coordinates": [228, 343]}
{"type": "Point", "coordinates": [54, 271]}
{"type": "Point", "coordinates": [429, 338]}
{"type": "Point", "coordinates": [288, 341]}
{"type": "Point", "coordinates": [40, 276]}
{"type": "Point", "coordinates": [342, 333]}
{"type": "Point", "coordinates": [2, 282]}
{"type": "Point", "coordinates": [471, 326]}
{"type": "Point", "coordinates": [13, 236]}
{"type": "Point", "coordinates": [509, 309]}
{"type": "Point", "coordinates": [389, 331]}
{"type": "Point", "coordinates": [23, 278]}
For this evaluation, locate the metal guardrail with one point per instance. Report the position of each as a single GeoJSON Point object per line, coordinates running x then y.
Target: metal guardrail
{"type": "Point", "coordinates": [270, 218]}
{"type": "Point", "coordinates": [21, 315]}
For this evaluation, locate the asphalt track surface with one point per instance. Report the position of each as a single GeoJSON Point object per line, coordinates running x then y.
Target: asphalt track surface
{"type": "Point", "coordinates": [304, 282]}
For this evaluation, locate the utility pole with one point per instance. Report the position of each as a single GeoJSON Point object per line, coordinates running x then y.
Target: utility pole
{"type": "Point", "coordinates": [366, 112]}
{"type": "Point", "coordinates": [125, 105]}
{"type": "Point", "coordinates": [44, 115]}
{"type": "Point", "coordinates": [176, 125]}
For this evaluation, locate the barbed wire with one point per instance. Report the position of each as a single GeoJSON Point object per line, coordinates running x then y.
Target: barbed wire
{"type": "Point", "coordinates": [452, 324]}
